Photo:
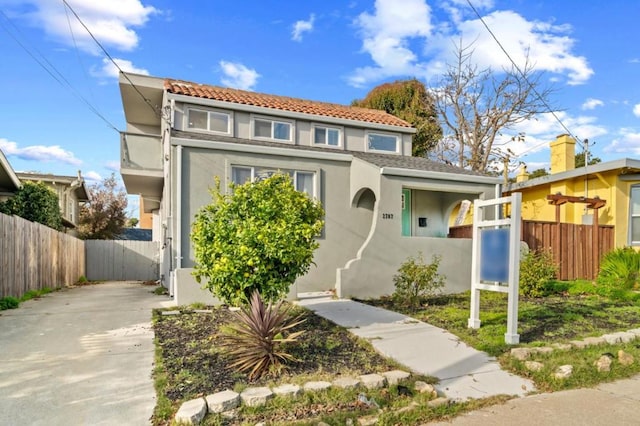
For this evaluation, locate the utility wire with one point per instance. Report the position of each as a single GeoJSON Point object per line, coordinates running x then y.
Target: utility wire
{"type": "Point", "coordinates": [147, 101]}
{"type": "Point", "coordinates": [50, 68]}
{"type": "Point", "coordinates": [531, 86]}
{"type": "Point", "coordinates": [75, 45]}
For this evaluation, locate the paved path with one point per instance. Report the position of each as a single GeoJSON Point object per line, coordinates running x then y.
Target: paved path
{"type": "Point", "coordinates": [611, 404]}
{"type": "Point", "coordinates": [463, 371]}
{"type": "Point", "coordinates": [81, 356]}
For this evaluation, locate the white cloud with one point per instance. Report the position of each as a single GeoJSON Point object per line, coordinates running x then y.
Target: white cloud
{"type": "Point", "coordinates": [636, 110]}
{"type": "Point", "coordinates": [592, 103]}
{"type": "Point", "coordinates": [386, 37]}
{"type": "Point", "coordinates": [39, 153]}
{"type": "Point", "coordinates": [113, 166]}
{"type": "Point", "coordinates": [541, 131]}
{"type": "Point", "coordinates": [301, 27]}
{"type": "Point", "coordinates": [627, 143]}
{"type": "Point", "coordinates": [111, 22]}
{"type": "Point", "coordinates": [238, 76]}
{"type": "Point", "coordinates": [109, 70]}
{"type": "Point", "coordinates": [92, 177]}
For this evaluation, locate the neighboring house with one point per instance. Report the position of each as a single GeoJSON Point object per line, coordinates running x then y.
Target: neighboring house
{"type": "Point", "coordinates": [381, 205]}
{"type": "Point", "coordinates": [612, 187]}
{"type": "Point", "coordinates": [146, 218]}
{"type": "Point", "coordinates": [71, 191]}
{"type": "Point", "coordinates": [9, 182]}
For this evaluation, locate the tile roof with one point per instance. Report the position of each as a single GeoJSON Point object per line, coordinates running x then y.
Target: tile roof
{"type": "Point", "coordinates": [380, 160]}
{"type": "Point", "coordinates": [283, 103]}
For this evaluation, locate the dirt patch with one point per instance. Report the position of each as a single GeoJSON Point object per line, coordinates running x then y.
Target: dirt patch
{"type": "Point", "coordinates": [196, 365]}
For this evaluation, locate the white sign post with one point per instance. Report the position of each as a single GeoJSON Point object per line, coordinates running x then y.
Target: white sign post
{"type": "Point", "coordinates": [495, 263]}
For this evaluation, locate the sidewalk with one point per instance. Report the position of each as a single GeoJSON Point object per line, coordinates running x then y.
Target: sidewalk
{"type": "Point", "coordinates": [611, 404]}
{"type": "Point", "coordinates": [463, 371]}
{"type": "Point", "coordinates": [81, 356]}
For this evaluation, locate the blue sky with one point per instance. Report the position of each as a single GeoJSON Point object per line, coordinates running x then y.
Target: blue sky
{"type": "Point", "coordinates": [323, 50]}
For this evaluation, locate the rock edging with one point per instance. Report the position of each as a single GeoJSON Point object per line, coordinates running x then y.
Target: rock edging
{"type": "Point", "coordinates": [193, 411]}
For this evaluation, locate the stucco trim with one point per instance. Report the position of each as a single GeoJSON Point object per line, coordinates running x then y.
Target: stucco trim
{"type": "Point", "coordinates": [288, 114]}
{"type": "Point", "coordinates": [426, 174]}
{"type": "Point", "coordinates": [261, 149]}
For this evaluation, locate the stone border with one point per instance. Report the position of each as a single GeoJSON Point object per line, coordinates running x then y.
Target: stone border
{"type": "Point", "coordinates": [193, 411]}
{"type": "Point", "coordinates": [603, 364]}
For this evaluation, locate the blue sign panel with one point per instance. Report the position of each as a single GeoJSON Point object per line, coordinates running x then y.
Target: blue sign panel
{"type": "Point", "coordinates": [494, 255]}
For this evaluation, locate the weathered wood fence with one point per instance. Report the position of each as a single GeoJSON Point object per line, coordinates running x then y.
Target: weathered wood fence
{"type": "Point", "coordinates": [572, 245]}
{"type": "Point", "coordinates": [122, 260]}
{"type": "Point", "coordinates": [34, 256]}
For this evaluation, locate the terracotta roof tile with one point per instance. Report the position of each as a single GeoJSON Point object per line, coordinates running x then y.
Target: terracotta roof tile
{"type": "Point", "coordinates": [282, 103]}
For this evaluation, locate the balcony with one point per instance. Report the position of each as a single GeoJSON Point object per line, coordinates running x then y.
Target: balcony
{"type": "Point", "coordinates": [141, 164]}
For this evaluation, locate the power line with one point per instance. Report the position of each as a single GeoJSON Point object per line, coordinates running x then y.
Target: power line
{"type": "Point", "coordinates": [531, 86]}
{"type": "Point", "coordinates": [46, 65]}
{"type": "Point", "coordinates": [153, 108]}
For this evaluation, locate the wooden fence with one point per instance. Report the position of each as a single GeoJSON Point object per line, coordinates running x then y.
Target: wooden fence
{"type": "Point", "coordinates": [34, 256]}
{"type": "Point", "coordinates": [572, 245]}
{"type": "Point", "coordinates": [122, 260]}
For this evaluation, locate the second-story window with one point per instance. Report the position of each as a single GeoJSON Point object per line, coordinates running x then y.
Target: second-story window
{"type": "Point", "coordinates": [212, 121]}
{"type": "Point", "coordinates": [272, 129]}
{"type": "Point", "coordinates": [329, 136]}
{"type": "Point", "coordinates": [381, 142]}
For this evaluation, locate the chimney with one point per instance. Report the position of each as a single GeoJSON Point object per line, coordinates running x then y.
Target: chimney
{"type": "Point", "coordinates": [523, 175]}
{"type": "Point", "coordinates": [563, 154]}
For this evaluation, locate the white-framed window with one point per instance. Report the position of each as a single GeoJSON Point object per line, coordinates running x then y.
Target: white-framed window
{"type": "Point", "coordinates": [634, 216]}
{"type": "Point", "coordinates": [303, 180]}
{"type": "Point", "coordinates": [382, 142]}
{"type": "Point", "coordinates": [209, 120]}
{"type": "Point", "coordinates": [327, 136]}
{"type": "Point", "coordinates": [267, 128]}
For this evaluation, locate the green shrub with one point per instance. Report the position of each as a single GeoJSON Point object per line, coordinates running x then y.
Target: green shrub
{"type": "Point", "coordinates": [255, 340]}
{"type": "Point", "coordinates": [416, 279]}
{"type": "Point", "coordinates": [261, 237]}
{"type": "Point", "coordinates": [537, 270]}
{"type": "Point", "coordinates": [9, 302]}
{"type": "Point", "coordinates": [82, 280]}
{"type": "Point", "coordinates": [620, 270]}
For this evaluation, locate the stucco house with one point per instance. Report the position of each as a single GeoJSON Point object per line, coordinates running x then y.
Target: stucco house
{"type": "Point", "coordinates": [9, 182]}
{"type": "Point", "coordinates": [71, 191]}
{"type": "Point", "coordinates": [610, 189]}
{"type": "Point", "coordinates": [381, 204]}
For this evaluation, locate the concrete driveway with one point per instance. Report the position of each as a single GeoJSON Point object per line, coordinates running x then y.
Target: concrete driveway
{"type": "Point", "coordinates": [81, 356]}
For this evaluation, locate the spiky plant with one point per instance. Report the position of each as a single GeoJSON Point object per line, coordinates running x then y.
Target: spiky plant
{"type": "Point", "coordinates": [255, 341]}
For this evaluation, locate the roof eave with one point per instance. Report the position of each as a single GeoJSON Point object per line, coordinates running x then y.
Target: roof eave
{"type": "Point", "coordinates": [429, 174]}
{"type": "Point", "coordinates": [580, 171]}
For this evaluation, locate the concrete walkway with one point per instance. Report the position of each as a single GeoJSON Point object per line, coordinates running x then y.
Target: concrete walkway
{"type": "Point", "coordinates": [80, 356]}
{"type": "Point", "coordinates": [463, 371]}
{"type": "Point", "coordinates": [613, 404]}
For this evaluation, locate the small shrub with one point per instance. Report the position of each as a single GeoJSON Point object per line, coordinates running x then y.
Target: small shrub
{"type": "Point", "coordinates": [620, 270]}
{"type": "Point", "coordinates": [416, 279]}
{"type": "Point", "coordinates": [82, 280]}
{"type": "Point", "coordinates": [537, 269]}
{"type": "Point", "coordinates": [259, 237]}
{"type": "Point", "coordinates": [255, 341]}
{"type": "Point", "coordinates": [9, 302]}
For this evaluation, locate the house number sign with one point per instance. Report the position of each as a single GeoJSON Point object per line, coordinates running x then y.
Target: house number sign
{"type": "Point", "coordinates": [387, 215]}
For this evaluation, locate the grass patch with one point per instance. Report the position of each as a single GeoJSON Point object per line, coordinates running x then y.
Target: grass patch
{"type": "Point", "coordinates": [190, 364]}
{"type": "Point", "coordinates": [585, 374]}
{"type": "Point", "coordinates": [10, 302]}
{"type": "Point", "coordinates": [541, 321]}
{"type": "Point", "coordinates": [572, 311]}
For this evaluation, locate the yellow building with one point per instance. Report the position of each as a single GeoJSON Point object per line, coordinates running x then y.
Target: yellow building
{"type": "Point", "coordinates": [616, 182]}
